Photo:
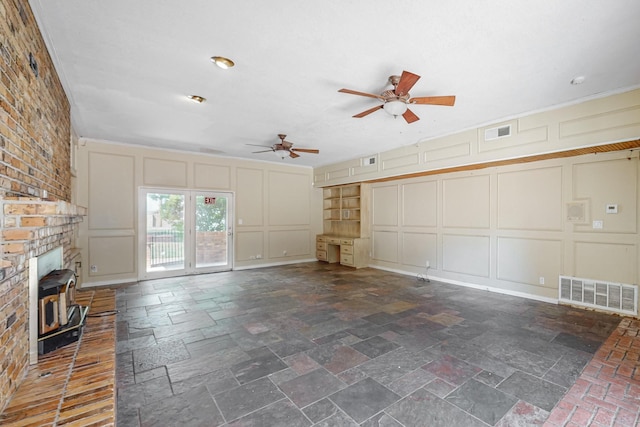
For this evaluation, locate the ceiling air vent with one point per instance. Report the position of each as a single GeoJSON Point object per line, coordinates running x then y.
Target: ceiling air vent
{"type": "Point", "coordinates": [499, 132]}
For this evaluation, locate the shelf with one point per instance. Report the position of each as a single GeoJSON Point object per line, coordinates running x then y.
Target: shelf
{"type": "Point", "coordinates": [345, 210]}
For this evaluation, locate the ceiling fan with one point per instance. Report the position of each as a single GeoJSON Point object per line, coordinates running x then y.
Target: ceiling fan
{"type": "Point", "coordinates": [396, 101]}
{"type": "Point", "coordinates": [285, 148]}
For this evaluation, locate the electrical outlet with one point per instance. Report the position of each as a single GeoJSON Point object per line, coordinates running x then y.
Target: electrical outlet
{"type": "Point", "coordinates": [598, 224]}
{"type": "Point", "coordinates": [284, 253]}
{"type": "Point", "coordinates": [94, 268]}
{"type": "Point", "coordinates": [428, 264]}
{"type": "Point", "coordinates": [259, 256]}
{"type": "Point", "coordinates": [541, 280]}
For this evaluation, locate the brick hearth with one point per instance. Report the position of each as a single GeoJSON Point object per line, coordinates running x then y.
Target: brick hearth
{"type": "Point", "coordinates": [74, 385]}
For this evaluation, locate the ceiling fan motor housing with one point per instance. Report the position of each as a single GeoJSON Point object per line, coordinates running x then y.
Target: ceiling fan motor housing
{"type": "Point", "coordinates": [390, 95]}
{"type": "Point", "coordinates": [394, 80]}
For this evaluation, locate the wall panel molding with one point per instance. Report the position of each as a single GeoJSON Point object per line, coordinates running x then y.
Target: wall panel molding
{"type": "Point", "coordinates": [165, 173]}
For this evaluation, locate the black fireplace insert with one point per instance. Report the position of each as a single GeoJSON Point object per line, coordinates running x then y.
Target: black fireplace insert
{"type": "Point", "coordinates": [60, 319]}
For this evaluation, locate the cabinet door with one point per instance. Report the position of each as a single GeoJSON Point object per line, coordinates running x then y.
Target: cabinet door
{"type": "Point", "coordinates": [346, 259]}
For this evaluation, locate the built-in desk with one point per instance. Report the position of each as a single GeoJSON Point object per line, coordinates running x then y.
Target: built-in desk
{"type": "Point", "coordinates": [350, 251]}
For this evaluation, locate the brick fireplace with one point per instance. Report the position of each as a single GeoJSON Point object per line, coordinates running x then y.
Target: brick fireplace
{"type": "Point", "coordinates": [30, 227]}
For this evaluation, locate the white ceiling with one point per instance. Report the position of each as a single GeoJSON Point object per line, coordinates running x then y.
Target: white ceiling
{"type": "Point", "coordinates": [127, 67]}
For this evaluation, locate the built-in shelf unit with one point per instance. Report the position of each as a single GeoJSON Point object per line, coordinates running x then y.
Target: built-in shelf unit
{"type": "Point", "coordinates": [345, 237]}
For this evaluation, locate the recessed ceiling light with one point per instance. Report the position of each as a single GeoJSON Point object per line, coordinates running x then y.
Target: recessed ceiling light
{"type": "Point", "coordinates": [197, 99]}
{"type": "Point", "coordinates": [578, 80]}
{"type": "Point", "coordinates": [222, 62]}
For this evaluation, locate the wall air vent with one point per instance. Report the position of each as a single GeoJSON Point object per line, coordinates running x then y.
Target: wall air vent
{"type": "Point", "coordinates": [368, 161]}
{"type": "Point", "coordinates": [615, 297]}
{"type": "Point", "coordinates": [499, 132]}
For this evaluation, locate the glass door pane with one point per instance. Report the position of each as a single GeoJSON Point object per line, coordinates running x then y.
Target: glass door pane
{"type": "Point", "coordinates": [212, 231]}
{"type": "Point", "coordinates": [165, 226]}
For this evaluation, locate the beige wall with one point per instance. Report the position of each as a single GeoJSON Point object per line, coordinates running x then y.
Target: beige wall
{"type": "Point", "coordinates": [277, 209]}
{"type": "Point", "coordinates": [507, 228]}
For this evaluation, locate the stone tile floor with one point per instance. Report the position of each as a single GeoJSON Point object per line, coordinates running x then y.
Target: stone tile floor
{"type": "Point", "coordinates": [325, 345]}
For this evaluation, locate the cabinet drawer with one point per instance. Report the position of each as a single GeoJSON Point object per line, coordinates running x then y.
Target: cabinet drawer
{"type": "Point", "coordinates": [347, 242]}
{"type": "Point", "coordinates": [346, 259]}
{"type": "Point", "coordinates": [321, 255]}
{"type": "Point", "coordinates": [321, 246]}
{"type": "Point", "coordinates": [333, 241]}
{"type": "Point", "coordinates": [321, 239]}
{"type": "Point", "coordinates": [346, 249]}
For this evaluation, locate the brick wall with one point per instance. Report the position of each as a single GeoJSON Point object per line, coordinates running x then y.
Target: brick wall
{"type": "Point", "coordinates": [34, 158]}
{"type": "Point", "coordinates": [211, 246]}
{"type": "Point", "coordinates": [34, 111]}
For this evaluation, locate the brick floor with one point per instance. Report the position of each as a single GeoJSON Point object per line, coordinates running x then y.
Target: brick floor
{"type": "Point", "coordinates": [75, 384]}
{"type": "Point", "coordinates": [608, 390]}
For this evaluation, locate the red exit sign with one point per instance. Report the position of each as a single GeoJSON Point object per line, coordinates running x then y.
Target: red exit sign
{"type": "Point", "coordinates": [209, 200]}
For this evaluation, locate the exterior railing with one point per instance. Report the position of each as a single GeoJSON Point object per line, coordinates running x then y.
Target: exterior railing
{"type": "Point", "coordinates": [165, 247]}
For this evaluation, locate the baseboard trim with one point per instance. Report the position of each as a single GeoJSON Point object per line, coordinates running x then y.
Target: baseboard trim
{"type": "Point", "coordinates": [274, 264]}
{"type": "Point", "coordinates": [474, 286]}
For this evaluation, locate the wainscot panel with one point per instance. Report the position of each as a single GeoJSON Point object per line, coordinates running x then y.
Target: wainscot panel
{"type": "Point", "coordinates": [169, 173]}
{"type": "Point", "coordinates": [466, 254]}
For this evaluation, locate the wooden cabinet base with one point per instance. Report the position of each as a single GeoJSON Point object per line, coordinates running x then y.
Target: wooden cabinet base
{"type": "Point", "coordinates": [352, 252]}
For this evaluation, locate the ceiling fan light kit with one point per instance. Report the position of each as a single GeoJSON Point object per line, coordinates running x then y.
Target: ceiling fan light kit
{"type": "Point", "coordinates": [396, 101]}
{"type": "Point", "coordinates": [395, 107]}
{"type": "Point", "coordinates": [281, 153]}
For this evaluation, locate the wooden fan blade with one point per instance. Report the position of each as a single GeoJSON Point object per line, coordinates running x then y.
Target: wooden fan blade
{"type": "Point", "coordinates": [263, 151]}
{"type": "Point", "coordinates": [306, 150]}
{"type": "Point", "coordinates": [369, 111]}
{"type": "Point", "coordinates": [410, 116]}
{"type": "Point", "coordinates": [354, 92]}
{"type": "Point", "coordinates": [293, 155]}
{"type": "Point", "coordinates": [434, 100]}
{"type": "Point", "coordinates": [407, 80]}
{"type": "Point", "coordinates": [256, 145]}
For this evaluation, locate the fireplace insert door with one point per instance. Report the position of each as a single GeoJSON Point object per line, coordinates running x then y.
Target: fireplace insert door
{"type": "Point", "coordinates": [185, 232]}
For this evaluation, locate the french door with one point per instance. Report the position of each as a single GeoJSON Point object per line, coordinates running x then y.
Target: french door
{"type": "Point", "coordinates": [184, 232]}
